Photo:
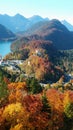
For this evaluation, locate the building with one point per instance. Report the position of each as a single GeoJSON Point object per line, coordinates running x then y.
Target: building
{"type": "Point", "coordinates": [1, 59]}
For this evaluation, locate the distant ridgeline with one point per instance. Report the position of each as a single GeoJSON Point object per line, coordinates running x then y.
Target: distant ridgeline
{"type": "Point", "coordinates": [18, 23]}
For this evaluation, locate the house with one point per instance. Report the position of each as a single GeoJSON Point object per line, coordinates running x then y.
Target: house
{"type": "Point", "coordinates": [1, 59]}
{"type": "Point", "coordinates": [29, 63]}
{"type": "Point", "coordinates": [38, 53]}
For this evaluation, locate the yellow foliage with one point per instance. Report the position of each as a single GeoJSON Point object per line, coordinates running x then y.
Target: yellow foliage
{"type": "Point", "coordinates": [17, 127]}
{"type": "Point", "coordinates": [12, 111]}
{"type": "Point", "coordinates": [66, 99]}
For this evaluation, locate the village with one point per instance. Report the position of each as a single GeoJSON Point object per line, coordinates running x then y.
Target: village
{"type": "Point", "coordinates": [10, 64]}
{"type": "Point", "coordinates": [14, 65]}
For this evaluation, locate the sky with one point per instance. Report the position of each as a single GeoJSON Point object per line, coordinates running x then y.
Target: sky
{"type": "Point", "coordinates": [59, 9]}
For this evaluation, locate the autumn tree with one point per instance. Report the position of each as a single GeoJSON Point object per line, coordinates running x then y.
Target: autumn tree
{"type": "Point", "coordinates": [12, 115]}
{"type": "Point", "coordinates": [55, 98]}
{"type": "Point", "coordinates": [37, 118]}
{"type": "Point", "coordinates": [17, 91]}
{"type": "Point", "coordinates": [68, 110]}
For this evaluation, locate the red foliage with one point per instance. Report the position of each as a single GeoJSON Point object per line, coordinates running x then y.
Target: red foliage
{"type": "Point", "coordinates": [32, 103]}
{"type": "Point", "coordinates": [6, 80]}
{"type": "Point", "coordinates": [37, 118]}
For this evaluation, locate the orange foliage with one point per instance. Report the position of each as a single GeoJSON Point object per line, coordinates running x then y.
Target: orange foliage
{"type": "Point", "coordinates": [25, 111]}
{"type": "Point", "coordinates": [17, 91]}
{"type": "Point", "coordinates": [16, 86]}
{"type": "Point", "coordinates": [56, 100]}
{"type": "Point", "coordinates": [1, 119]}
{"type": "Point", "coordinates": [39, 66]}
{"type": "Point", "coordinates": [33, 105]}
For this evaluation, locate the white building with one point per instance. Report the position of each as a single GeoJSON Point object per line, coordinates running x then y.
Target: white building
{"type": "Point", "coordinates": [38, 53]}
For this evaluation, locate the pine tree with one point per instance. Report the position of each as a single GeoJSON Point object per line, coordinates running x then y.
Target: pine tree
{"type": "Point", "coordinates": [46, 106]}
{"type": "Point", "coordinates": [3, 87]}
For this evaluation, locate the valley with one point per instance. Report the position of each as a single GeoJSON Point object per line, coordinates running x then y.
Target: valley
{"type": "Point", "coordinates": [48, 46]}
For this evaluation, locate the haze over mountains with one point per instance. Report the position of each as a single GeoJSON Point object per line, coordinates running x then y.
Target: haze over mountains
{"type": "Point", "coordinates": [19, 23]}
{"type": "Point", "coordinates": [6, 34]}
{"type": "Point", "coordinates": [39, 28]}
{"type": "Point", "coordinates": [67, 24]}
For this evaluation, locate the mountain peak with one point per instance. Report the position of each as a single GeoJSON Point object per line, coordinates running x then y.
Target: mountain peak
{"type": "Point", "coordinates": [55, 21]}
{"type": "Point", "coordinates": [19, 16]}
{"type": "Point", "coordinates": [36, 18]}
{"type": "Point", "coordinates": [46, 19]}
{"type": "Point", "coordinates": [67, 24]}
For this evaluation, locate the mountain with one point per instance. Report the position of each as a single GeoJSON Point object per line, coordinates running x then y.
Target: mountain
{"type": "Point", "coordinates": [41, 54]}
{"type": "Point", "coordinates": [14, 23]}
{"type": "Point", "coordinates": [5, 20]}
{"type": "Point", "coordinates": [35, 28]}
{"type": "Point", "coordinates": [42, 42]}
{"type": "Point", "coordinates": [36, 18]}
{"type": "Point", "coordinates": [18, 23]}
{"type": "Point", "coordinates": [67, 24]}
{"type": "Point", "coordinates": [6, 34]}
{"type": "Point", "coordinates": [45, 27]}
{"type": "Point", "coordinates": [54, 31]}
{"type": "Point", "coordinates": [39, 27]}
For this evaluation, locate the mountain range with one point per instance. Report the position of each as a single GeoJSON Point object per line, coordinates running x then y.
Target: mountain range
{"type": "Point", "coordinates": [18, 23]}
{"type": "Point", "coordinates": [37, 28]}
{"type": "Point", "coordinates": [53, 31]}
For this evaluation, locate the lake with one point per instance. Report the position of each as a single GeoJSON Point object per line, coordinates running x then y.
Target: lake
{"type": "Point", "coordinates": [4, 48]}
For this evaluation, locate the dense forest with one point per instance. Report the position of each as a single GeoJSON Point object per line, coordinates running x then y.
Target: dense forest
{"type": "Point", "coordinates": [65, 60]}
{"type": "Point", "coordinates": [25, 103]}
{"type": "Point", "coordinates": [29, 106]}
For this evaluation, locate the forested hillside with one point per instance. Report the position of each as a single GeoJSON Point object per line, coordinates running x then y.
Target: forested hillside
{"type": "Point", "coordinates": [6, 34]}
